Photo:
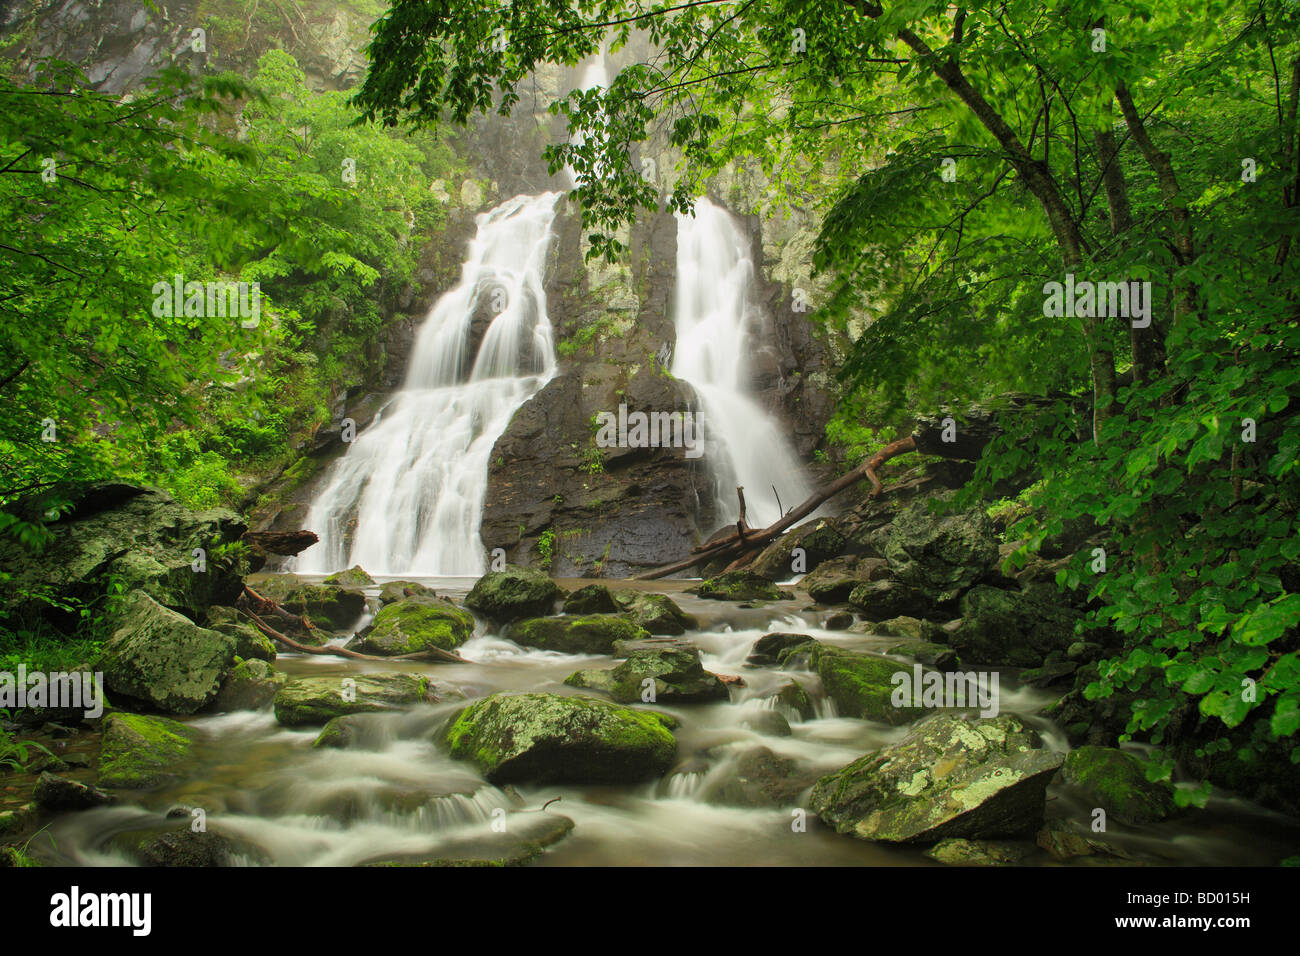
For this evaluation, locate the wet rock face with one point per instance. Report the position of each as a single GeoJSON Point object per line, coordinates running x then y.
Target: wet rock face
{"type": "Point", "coordinates": [949, 778]}
{"type": "Point", "coordinates": [611, 511]}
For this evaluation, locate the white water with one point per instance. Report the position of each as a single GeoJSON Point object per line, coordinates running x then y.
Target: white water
{"type": "Point", "coordinates": [744, 445]}
{"type": "Point", "coordinates": [407, 497]}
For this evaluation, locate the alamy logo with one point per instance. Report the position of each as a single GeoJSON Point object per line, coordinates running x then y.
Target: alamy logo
{"type": "Point", "coordinates": [650, 430]}
{"type": "Point", "coordinates": [1087, 299]}
{"type": "Point", "coordinates": [922, 688]}
{"type": "Point", "coordinates": [74, 909]}
{"type": "Point", "coordinates": [58, 690]}
{"type": "Point", "coordinates": [212, 300]}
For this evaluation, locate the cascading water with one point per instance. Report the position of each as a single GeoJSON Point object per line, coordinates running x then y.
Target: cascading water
{"type": "Point", "coordinates": [745, 445]}
{"type": "Point", "coordinates": [407, 498]}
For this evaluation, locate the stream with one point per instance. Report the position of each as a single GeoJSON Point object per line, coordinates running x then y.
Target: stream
{"type": "Point", "coordinates": [394, 794]}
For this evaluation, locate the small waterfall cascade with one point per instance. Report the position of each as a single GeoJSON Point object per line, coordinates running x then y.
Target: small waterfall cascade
{"type": "Point", "coordinates": [745, 446]}
{"type": "Point", "coordinates": [407, 497]}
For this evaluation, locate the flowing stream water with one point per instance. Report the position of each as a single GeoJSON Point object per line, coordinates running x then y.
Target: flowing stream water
{"type": "Point", "coordinates": [714, 315]}
{"type": "Point", "coordinates": [397, 794]}
{"type": "Point", "coordinates": [407, 497]}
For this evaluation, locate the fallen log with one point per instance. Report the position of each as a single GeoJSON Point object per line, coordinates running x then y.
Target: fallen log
{"type": "Point", "coordinates": [429, 655]}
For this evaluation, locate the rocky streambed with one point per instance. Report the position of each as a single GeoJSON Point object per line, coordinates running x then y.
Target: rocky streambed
{"type": "Point", "coordinates": [611, 723]}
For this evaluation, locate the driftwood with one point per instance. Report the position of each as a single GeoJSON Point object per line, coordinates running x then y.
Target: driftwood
{"type": "Point", "coordinates": [250, 599]}
{"type": "Point", "coordinates": [280, 542]}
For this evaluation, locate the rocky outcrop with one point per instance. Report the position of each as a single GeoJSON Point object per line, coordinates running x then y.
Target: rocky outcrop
{"type": "Point", "coordinates": [949, 778]}
{"type": "Point", "coordinates": [545, 738]}
{"type": "Point", "coordinates": [1012, 627]}
{"type": "Point", "coordinates": [134, 538]}
{"type": "Point", "coordinates": [157, 656]}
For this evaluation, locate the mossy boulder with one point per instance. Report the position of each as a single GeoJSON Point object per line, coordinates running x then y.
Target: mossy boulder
{"type": "Point", "coordinates": [250, 643]}
{"type": "Point", "coordinates": [513, 594]}
{"type": "Point", "coordinates": [794, 701]}
{"type": "Point", "coordinates": [251, 685]}
{"type": "Point", "coordinates": [666, 675]}
{"type": "Point", "coordinates": [948, 778]}
{"type": "Point", "coordinates": [831, 582]}
{"type": "Point", "coordinates": [1116, 781]}
{"type": "Point", "coordinates": [340, 733]}
{"type": "Point", "coordinates": [959, 852]}
{"type": "Point", "coordinates": [771, 650]}
{"type": "Point", "coordinates": [887, 598]}
{"type": "Point", "coordinates": [657, 613]}
{"type": "Point", "coordinates": [819, 540]}
{"type": "Point", "coordinates": [60, 794]}
{"type": "Point", "coordinates": [397, 590]}
{"type": "Point", "coordinates": [412, 625]}
{"type": "Point", "coordinates": [138, 752]}
{"type": "Point", "coordinates": [354, 577]}
{"type": "Point", "coordinates": [1013, 628]}
{"type": "Point", "coordinates": [861, 685]}
{"type": "Point", "coordinates": [757, 777]}
{"type": "Point", "coordinates": [590, 634]}
{"type": "Point", "coordinates": [162, 658]}
{"type": "Point", "coordinates": [184, 847]}
{"type": "Point", "coordinates": [941, 554]}
{"type": "Point", "coordinates": [546, 738]}
{"type": "Point", "coordinates": [741, 586]}
{"type": "Point", "coordinates": [333, 608]}
{"type": "Point", "coordinates": [592, 599]}
{"type": "Point", "coordinates": [315, 700]}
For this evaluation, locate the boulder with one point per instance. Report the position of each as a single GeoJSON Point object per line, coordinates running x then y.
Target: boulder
{"type": "Point", "coordinates": [819, 540]}
{"type": "Point", "coordinates": [759, 778]}
{"type": "Point", "coordinates": [949, 778]}
{"type": "Point", "coordinates": [770, 650]}
{"type": "Point", "coordinates": [187, 848]}
{"type": "Point", "coordinates": [941, 554]}
{"type": "Point", "coordinates": [861, 685]}
{"type": "Point", "coordinates": [886, 598]}
{"type": "Point", "coordinates": [794, 701]}
{"type": "Point", "coordinates": [414, 624]}
{"type": "Point", "coordinates": [333, 608]}
{"type": "Point", "coordinates": [592, 599]}
{"type": "Point", "coordinates": [138, 752]}
{"type": "Point", "coordinates": [250, 643]}
{"type": "Point", "coordinates": [251, 685]}
{"type": "Point", "coordinates": [667, 675]}
{"type": "Point", "coordinates": [354, 577]}
{"type": "Point", "coordinates": [657, 613]}
{"type": "Point", "coordinates": [545, 738]}
{"type": "Point", "coordinates": [513, 594]}
{"type": "Point", "coordinates": [833, 581]}
{"type": "Point", "coordinates": [157, 656]}
{"type": "Point", "coordinates": [396, 590]}
{"type": "Point", "coordinates": [591, 634]}
{"type": "Point", "coordinates": [1116, 781]}
{"type": "Point", "coordinates": [315, 700]}
{"type": "Point", "coordinates": [1011, 628]}
{"type": "Point", "coordinates": [340, 732]}
{"type": "Point", "coordinates": [741, 586]}
{"type": "Point", "coordinates": [60, 794]}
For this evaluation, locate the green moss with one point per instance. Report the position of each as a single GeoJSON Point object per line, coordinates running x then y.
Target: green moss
{"type": "Point", "coordinates": [1117, 781]}
{"type": "Point", "coordinates": [139, 751]}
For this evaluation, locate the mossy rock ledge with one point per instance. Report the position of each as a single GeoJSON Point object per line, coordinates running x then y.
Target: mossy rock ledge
{"type": "Point", "coordinates": [546, 738]}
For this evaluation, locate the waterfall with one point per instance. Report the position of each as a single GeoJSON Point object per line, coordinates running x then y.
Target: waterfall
{"type": "Point", "coordinates": [407, 497]}
{"type": "Point", "coordinates": [745, 446]}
